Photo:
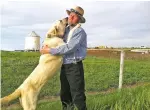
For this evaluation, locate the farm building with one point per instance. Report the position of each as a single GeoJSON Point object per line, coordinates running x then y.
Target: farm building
{"type": "Point", "coordinates": [32, 42]}
{"type": "Point", "coordinates": [143, 51]}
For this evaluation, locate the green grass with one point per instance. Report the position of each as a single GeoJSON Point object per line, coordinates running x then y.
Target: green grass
{"type": "Point", "coordinates": [103, 73]}
{"type": "Point", "coordinates": [127, 99]}
{"type": "Point", "coordinates": [100, 74]}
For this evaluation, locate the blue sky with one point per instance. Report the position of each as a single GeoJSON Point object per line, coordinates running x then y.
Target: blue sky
{"type": "Point", "coordinates": [110, 23]}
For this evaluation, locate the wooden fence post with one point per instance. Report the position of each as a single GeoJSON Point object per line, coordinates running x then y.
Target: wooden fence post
{"type": "Point", "coordinates": [121, 68]}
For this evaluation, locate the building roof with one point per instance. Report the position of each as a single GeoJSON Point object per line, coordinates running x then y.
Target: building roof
{"type": "Point", "coordinates": [33, 34]}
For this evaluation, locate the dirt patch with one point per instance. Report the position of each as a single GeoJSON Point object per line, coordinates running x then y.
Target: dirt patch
{"type": "Point", "coordinates": [112, 53]}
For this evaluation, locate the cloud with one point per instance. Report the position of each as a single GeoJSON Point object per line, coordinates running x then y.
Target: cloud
{"type": "Point", "coordinates": [107, 23]}
{"type": "Point", "coordinates": [121, 22]}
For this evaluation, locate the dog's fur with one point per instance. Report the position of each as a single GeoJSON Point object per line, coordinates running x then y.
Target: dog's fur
{"type": "Point", "coordinates": [48, 65]}
{"type": "Point", "coordinates": [57, 29]}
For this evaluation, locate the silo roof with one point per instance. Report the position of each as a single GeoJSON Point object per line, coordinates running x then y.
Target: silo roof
{"type": "Point", "coordinates": [33, 34]}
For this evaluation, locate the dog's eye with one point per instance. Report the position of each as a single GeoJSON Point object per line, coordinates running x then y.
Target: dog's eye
{"type": "Point", "coordinates": [60, 20]}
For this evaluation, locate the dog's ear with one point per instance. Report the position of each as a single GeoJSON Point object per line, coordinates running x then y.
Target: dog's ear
{"type": "Point", "coordinates": [52, 32]}
{"type": "Point", "coordinates": [65, 21]}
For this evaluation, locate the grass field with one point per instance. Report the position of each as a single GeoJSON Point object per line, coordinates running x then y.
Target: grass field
{"type": "Point", "coordinates": [127, 99]}
{"type": "Point", "coordinates": [100, 74]}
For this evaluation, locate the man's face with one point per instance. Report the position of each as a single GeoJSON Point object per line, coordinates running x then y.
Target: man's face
{"type": "Point", "coordinates": [73, 19]}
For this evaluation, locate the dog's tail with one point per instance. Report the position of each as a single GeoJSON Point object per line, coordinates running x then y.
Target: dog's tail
{"type": "Point", "coordinates": [11, 97]}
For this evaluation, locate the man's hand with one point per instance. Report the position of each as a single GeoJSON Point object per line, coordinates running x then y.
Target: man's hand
{"type": "Point", "coordinates": [45, 50]}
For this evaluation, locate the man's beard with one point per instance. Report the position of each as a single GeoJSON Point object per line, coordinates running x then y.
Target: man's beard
{"type": "Point", "coordinates": [72, 25]}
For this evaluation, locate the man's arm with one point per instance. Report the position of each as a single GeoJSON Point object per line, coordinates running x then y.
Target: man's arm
{"type": "Point", "coordinates": [71, 46]}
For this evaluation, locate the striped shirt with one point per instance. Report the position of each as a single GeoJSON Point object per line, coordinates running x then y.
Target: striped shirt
{"type": "Point", "coordinates": [75, 50]}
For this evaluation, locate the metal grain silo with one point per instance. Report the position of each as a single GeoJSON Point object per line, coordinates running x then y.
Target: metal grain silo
{"type": "Point", "coordinates": [32, 42]}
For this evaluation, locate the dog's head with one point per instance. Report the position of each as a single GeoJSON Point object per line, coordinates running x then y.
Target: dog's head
{"type": "Point", "coordinates": [58, 29]}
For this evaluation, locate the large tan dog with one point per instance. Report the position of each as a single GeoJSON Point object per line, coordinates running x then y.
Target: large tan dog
{"type": "Point", "coordinates": [46, 69]}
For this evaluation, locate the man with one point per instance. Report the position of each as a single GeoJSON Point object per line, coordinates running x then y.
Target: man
{"type": "Point", "coordinates": [74, 51]}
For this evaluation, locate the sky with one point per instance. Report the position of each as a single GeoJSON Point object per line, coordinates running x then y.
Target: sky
{"type": "Point", "coordinates": [109, 23]}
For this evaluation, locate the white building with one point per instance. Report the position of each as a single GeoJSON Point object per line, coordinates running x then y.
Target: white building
{"type": "Point", "coordinates": [142, 47]}
{"type": "Point", "coordinates": [32, 42]}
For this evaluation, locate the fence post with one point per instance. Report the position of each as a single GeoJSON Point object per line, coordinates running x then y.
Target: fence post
{"type": "Point", "coordinates": [121, 68]}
